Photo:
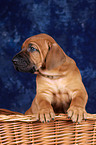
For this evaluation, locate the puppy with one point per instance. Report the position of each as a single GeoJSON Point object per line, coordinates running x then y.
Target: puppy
{"type": "Point", "coordinates": [59, 84]}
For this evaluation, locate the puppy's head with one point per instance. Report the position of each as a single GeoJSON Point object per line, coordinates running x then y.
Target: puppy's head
{"type": "Point", "coordinates": [39, 51]}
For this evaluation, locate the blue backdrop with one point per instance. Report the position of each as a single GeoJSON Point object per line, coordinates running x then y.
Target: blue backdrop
{"type": "Point", "coordinates": [72, 23]}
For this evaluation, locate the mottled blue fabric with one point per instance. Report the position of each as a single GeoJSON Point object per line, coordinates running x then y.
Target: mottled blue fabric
{"type": "Point", "coordinates": [72, 23]}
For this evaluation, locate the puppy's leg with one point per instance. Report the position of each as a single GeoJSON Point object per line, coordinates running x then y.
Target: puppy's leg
{"type": "Point", "coordinates": [76, 110]}
{"type": "Point", "coordinates": [42, 109]}
{"type": "Point", "coordinates": [45, 110]}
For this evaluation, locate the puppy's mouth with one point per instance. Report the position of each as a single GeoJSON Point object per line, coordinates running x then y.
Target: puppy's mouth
{"type": "Point", "coordinates": [23, 65]}
{"type": "Point", "coordinates": [25, 69]}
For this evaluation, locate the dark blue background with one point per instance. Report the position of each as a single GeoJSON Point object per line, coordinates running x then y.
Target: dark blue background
{"type": "Point", "coordinates": [72, 23]}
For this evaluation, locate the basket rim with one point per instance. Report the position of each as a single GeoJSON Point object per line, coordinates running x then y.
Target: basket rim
{"type": "Point", "coordinates": [31, 118]}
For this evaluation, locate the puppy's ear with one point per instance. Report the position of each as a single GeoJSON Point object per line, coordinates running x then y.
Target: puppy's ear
{"type": "Point", "coordinates": [55, 56]}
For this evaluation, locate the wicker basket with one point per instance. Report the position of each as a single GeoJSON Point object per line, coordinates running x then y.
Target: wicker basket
{"type": "Point", "coordinates": [24, 130]}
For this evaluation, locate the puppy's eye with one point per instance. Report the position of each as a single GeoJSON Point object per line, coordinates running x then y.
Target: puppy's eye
{"type": "Point", "coordinates": [32, 49]}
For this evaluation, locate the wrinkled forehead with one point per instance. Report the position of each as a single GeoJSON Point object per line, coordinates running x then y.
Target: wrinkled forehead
{"type": "Point", "coordinates": [32, 40]}
{"type": "Point", "coordinates": [41, 43]}
{"type": "Point", "coordinates": [38, 39]}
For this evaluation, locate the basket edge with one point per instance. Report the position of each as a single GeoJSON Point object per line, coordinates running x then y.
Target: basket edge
{"type": "Point", "coordinates": [31, 118]}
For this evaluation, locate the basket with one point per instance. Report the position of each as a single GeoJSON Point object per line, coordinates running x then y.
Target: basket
{"type": "Point", "coordinates": [18, 129]}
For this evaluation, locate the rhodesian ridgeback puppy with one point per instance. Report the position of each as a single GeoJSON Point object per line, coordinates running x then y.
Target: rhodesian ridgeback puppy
{"type": "Point", "coordinates": [59, 84]}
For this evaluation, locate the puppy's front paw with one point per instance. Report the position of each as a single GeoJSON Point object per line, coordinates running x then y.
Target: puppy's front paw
{"type": "Point", "coordinates": [45, 115]}
{"type": "Point", "coordinates": [77, 114]}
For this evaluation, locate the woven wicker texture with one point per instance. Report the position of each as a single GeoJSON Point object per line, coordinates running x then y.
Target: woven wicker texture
{"type": "Point", "coordinates": [24, 130]}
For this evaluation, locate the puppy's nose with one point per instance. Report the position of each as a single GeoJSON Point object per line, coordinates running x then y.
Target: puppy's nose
{"type": "Point", "coordinates": [15, 60]}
